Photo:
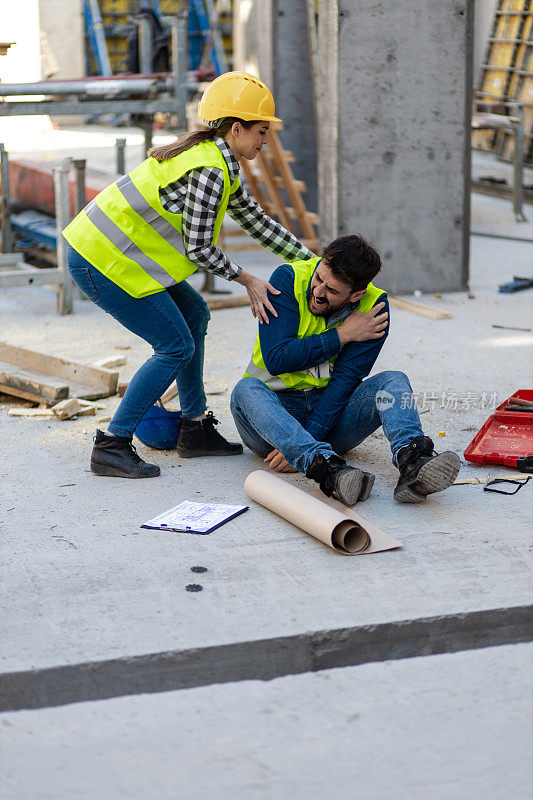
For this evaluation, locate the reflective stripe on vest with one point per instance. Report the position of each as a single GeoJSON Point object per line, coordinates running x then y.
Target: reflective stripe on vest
{"type": "Point", "coordinates": [128, 235]}
{"type": "Point", "coordinates": [142, 207]}
{"type": "Point", "coordinates": [125, 244]}
{"type": "Point", "coordinates": [319, 375]}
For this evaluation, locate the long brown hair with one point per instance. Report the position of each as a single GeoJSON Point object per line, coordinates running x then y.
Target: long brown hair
{"type": "Point", "coordinates": [188, 140]}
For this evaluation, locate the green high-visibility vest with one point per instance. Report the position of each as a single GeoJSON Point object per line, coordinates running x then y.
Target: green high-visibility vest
{"type": "Point", "coordinates": [319, 375]}
{"type": "Point", "coordinates": [127, 234]}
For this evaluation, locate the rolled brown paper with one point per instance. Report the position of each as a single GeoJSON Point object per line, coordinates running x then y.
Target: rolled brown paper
{"type": "Point", "coordinates": [330, 522]}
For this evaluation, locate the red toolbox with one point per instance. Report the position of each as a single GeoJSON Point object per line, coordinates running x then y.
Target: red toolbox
{"type": "Point", "coordinates": [507, 436]}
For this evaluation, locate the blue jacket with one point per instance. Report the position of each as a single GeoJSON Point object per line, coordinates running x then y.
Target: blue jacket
{"type": "Point", "coordinates": [283, 352]}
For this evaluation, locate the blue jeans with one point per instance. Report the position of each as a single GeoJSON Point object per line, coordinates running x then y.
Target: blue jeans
{"type": "Point", "coordinates": [268, 420]}
{"type": "Point", "coordinates": [173, 322]}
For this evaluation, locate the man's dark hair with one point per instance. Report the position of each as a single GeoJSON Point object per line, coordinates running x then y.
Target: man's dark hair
{"type": "Point", "coordinates": [352, 260]}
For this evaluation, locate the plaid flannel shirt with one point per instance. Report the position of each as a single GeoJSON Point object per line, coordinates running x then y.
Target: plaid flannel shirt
{"type": "Point", "coordinates": [197, 195]}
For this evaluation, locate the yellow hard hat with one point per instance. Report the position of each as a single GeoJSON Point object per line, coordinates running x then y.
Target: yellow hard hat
{"type": "Point", "coordinates": [237, 94]}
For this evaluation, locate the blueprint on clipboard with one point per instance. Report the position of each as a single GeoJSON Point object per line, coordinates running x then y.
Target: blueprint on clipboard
{"type": "Point", "coordinates": [191, 517]}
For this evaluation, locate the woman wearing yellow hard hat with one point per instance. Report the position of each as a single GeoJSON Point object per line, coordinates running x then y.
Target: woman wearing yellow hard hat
{"type": "Point", "coordinates": [132, 248]}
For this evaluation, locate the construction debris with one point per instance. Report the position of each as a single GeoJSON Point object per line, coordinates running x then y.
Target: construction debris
{"type": "Point", "coordinates": [110, 362]}
{"type": "Point", "coordinates": [67, 408]}
{"type": "Point", "coordinates": [419, 308]}
{"type": "Point", "coordinates": [30, 412]}
{"type": "Point", "coordinates": [235, 301]}
{"type": "Point", "coordinates": [44, 378]}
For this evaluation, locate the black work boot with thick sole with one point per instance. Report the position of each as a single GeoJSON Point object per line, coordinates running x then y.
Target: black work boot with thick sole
{"type": "Point", "coordinates": [423, 472]}
{"type": "Point", "coordinates": [116, 457]}
{"type": "Point", "coordinates": [202, 439]}
{"type": "Point", "coordinates": [336, 479]}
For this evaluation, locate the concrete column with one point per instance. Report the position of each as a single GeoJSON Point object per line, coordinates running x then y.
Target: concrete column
{"type": "Point", "coordinates": [61, 24]}
{"type": "Point", "coordinates": [292, 87]}
{"type": "Point", "coordinates": [394, 134]}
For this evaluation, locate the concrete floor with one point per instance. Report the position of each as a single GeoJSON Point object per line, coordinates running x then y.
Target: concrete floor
{"type": "Point", "coordinates": [454, 726]}
{"type": "Point", "coordinates": [95, 607]}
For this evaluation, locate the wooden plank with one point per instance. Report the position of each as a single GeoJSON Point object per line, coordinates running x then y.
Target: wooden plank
{"type": "Point", "coordinates": [229, 302]}
{"type": "Point", "coordinates": [30, 412]}
{"type": "Point", "coordinates": [418, 308]}
{"type": "Point", "coordinates": [109, 362]}
{"type": "Point", "coordinates": [84, 381]}
{"type": "Point", "coordinates": [31, 385]}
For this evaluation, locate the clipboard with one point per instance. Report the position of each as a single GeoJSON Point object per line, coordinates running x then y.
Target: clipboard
{"type": "Point", "coordinates": [192, 517]}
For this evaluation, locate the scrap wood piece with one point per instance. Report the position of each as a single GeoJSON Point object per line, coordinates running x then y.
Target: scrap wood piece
{"type": "Point", "coordinates": [228, 302]}
{"type": "Point", "coordinates": [87, 409]}
{"type": "Point", "coordinates": [73, 407]}
{"type": "Point", "coordinates": [109, 362]}
{"type": "Point", "coordinates": [67, 408]}
{"type": "Point", "coordinates": [170, 393]}
{"type": "Point", "coordinates": [30, 412]}
{"type": "Point", "coordinates": [44, 378]}
{"type": "Point", "coordinates": [419, 308]}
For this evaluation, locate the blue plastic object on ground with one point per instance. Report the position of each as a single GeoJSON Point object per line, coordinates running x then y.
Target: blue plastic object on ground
{"type": "Point", "coordinates": [159, 428]}
{"type": "Point", "coordinates": [516, 285]}
{"type": "Point", "coordinates": [36, 228]}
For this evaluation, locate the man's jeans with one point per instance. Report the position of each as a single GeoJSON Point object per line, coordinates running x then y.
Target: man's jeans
{"type": "Point", "coordinates": [268, 420]}
{"type": "Point", "coordinates": [173, 322]}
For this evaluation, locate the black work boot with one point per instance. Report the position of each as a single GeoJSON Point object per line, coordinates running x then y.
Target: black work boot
{"type": "Point", "coordinates": [423, 472]}
{"type": "Point", "coordinates": [201, 439]}
{"type": "Point", "coordinates": [116, 457]}
{"type": "Point", "coordinates": [337, 479]}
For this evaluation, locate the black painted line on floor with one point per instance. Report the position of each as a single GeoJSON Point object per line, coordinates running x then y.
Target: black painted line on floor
{"type": "Point", "coordinates": [264, 659]}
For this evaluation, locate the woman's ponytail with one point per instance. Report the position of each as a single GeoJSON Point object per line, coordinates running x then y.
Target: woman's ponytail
{"type": "Point", "coordinates": [167, 151]}
{"type": "Point", "coordinates": [189, 140]}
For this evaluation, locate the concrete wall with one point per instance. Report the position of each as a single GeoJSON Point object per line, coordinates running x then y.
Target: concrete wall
{"type": "Point", "coordinates": [270, 41]}
{"type": "Point", "coordinates": [394, 135]}
{"type": "Point", "coordinates": [61, 24]}
{"type": "Point", "coordinates": [292, 86]}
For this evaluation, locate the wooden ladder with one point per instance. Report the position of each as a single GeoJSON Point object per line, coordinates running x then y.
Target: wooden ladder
{"type": "Point", "coordinates": [272, 183]}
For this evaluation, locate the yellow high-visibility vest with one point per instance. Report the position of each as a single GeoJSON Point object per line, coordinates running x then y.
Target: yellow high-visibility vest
{"type": "Point", "coordinates": [127, 234]}
{"type": "Point", "coordinates": [314, 377]}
